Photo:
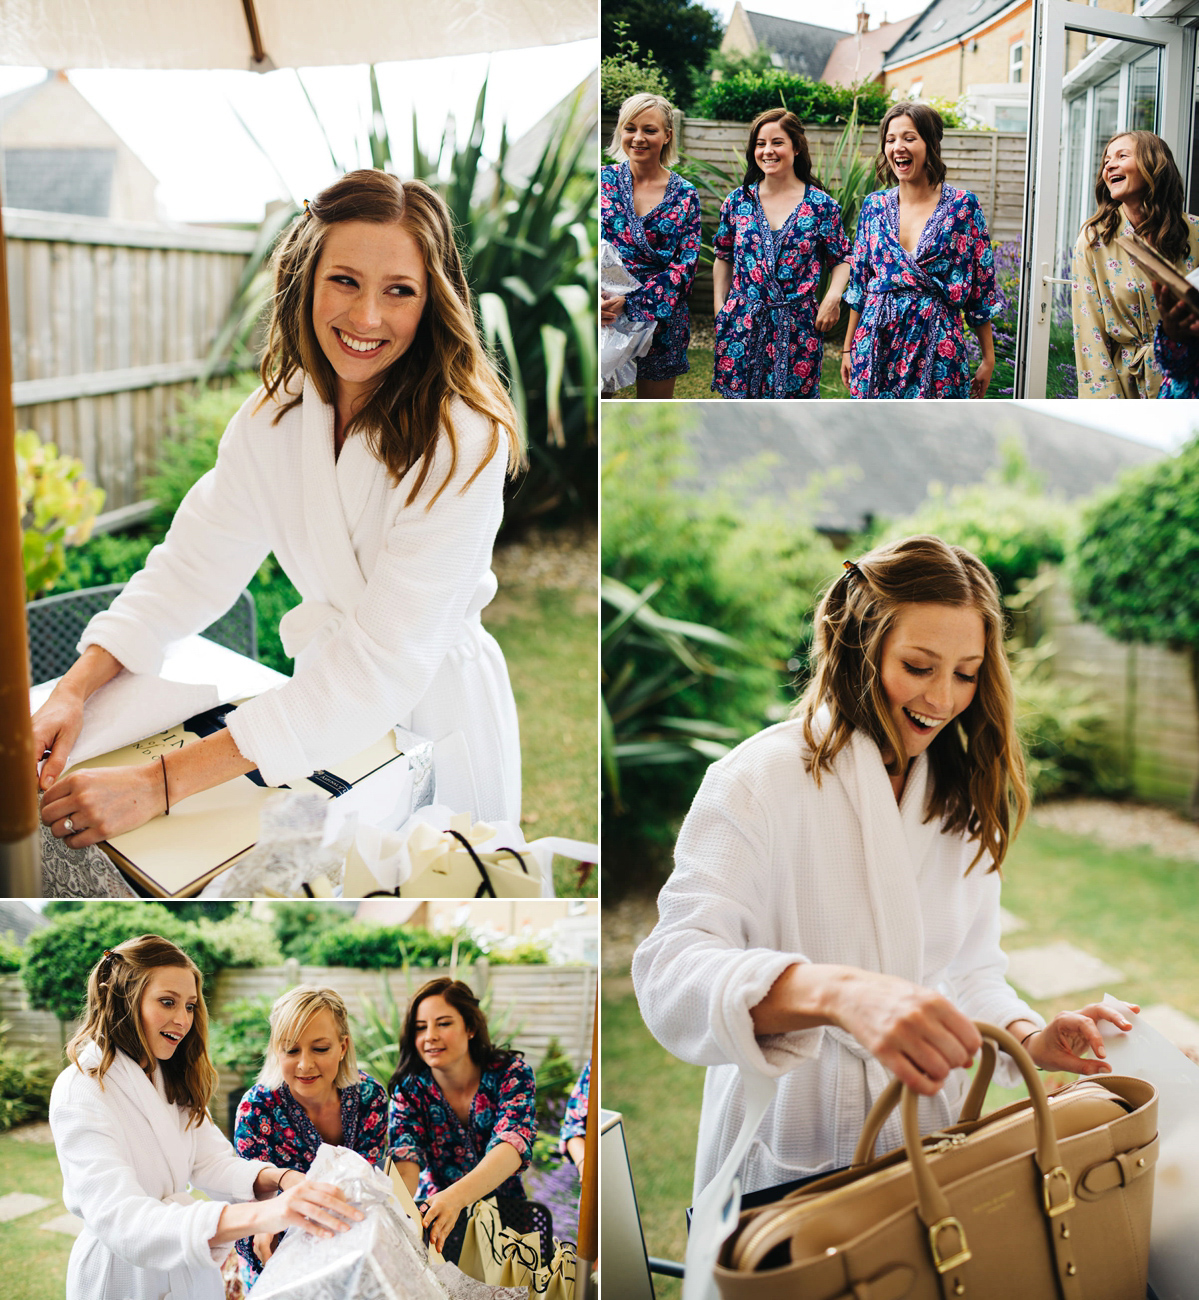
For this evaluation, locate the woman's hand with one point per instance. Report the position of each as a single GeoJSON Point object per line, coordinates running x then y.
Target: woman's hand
{"type": "Point", "coordinates": [441, 1213]}
{"type": "Point", "coordinates": [611, 307]}
{"type": "Point", "coordinates": [56, 728]}
{"type": "Point", "coordinates": [103, 801]}
{"type": "Point", "coordinates": [1059, 1046]}
{"type": "Point", "coordinates": [318, 1208]}
{"type": "Point", "coordinates": [1179, 319]}
{"type": "Point", "coordinates": [982, 378]}
{"type": "Point", "coordinates": [917, 1034]}
{"type": "Point", "coordinates": [829, 313]}
{"type": "Point", "coordinates": [845, 367]}
{"type": "Point", "coordinates": [265, 1244]}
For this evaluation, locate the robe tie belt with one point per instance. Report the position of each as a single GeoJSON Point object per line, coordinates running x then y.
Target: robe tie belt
{"type": "Point", "coordinates": [774, 311]}
{"type": "Point", "coordinates": [1136, 357]}
{"type": "Point", "coordinates": [894, 296]}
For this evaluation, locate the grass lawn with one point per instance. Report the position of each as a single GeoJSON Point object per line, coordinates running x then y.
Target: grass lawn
{"type": "Point", "coordinates": [1131, 908]}
{"type": "Point", "coordinates": [35, 1262]}
{"type": "Point", "coordinates": [697, 382]}
{"type": "Point", "coordinates": [549, 639]}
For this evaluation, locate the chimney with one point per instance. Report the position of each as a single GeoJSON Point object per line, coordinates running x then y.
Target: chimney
{"type": "Point", "coordinates": [863, 21]}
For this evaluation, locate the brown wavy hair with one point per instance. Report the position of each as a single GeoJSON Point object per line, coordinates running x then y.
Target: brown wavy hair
{"type": "Point", "coordinates": [1164, 224]}
{"type": "Point", "coordinates": [113, 1021]}
{"type": "Point", "coordinates": [483, 1052]}
{"type": "Point", "coordinates": [799, 141]}
{"type": "Point", "coordinates": [927, 122]}
{"type": "Point", "coordinates": [412, 402]}
{"type": "Point", "coordinates": [978, 783]}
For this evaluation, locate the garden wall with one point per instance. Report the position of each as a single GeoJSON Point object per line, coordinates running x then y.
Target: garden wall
{"type": "Point", "coordinates": [1146, 691]}
{"type": "Point", "coordinates": [547, 1002]}
{"type": "Point", "coordinates": [111, 321]}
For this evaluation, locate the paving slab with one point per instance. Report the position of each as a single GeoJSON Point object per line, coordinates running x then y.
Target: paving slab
{"type": "Point", "coordinates": [67, 1224]}
{"type": "Point", "coordinates": [1173, 1024]}
{"type": "Point", "coordinates": [1056, 968]}
{"type": "Point", "coordinates": [17, 1204]}
{"type": "Point", "coordinates": [1009, 922]}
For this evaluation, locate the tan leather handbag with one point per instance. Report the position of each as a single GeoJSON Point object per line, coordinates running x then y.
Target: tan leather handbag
{"type": "Point", "coordinates": [1045, 1199]}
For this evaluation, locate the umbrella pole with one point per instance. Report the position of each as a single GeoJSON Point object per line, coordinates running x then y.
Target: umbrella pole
{"type": "Point", "coordinates": [20, 838]}
{"type": "Point", "coordinates": [588, 1252]}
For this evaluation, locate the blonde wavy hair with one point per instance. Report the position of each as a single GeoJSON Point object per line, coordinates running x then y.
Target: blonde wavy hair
{"type": "Point", "coordinates": [978, 784]}
{"type": "Point", "coordinates": [633, 107]}
{"type": "Point", "coordinates": [289, 1018]}
{"type": "Point", "coordinates": [412, 403]}
{"type": "Point", "coordinates": [113, 1021]}
{"type": "Point", "coordinates": [1164, 224]}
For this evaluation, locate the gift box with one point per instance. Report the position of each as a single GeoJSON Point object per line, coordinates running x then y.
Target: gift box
{"type": "Point", "coordinates": [379, 1258]}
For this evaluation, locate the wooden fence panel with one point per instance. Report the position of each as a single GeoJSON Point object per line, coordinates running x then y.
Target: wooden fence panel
{"type": "Point", "coordinates": [111, 323]}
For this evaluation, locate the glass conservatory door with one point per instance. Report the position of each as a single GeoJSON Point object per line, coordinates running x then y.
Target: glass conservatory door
{"type": "Point", "coordinates": [1096, 73]}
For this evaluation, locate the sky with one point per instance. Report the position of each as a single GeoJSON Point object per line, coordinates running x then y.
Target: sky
{"type": "Point", "coordinates": [838, 14]}
{"type": "Point", "coordinates": [184, 125]}
{"type": "Point", "coordinates": [1160, 424]}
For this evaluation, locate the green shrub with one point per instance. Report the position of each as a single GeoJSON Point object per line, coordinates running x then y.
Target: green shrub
{"type": "Point", "coordinates": [10, 954]}
{"type": "Point", "coordinates": [628, 73]}
{"type": "Point", "coordinates": [382, 947]}
{"type": "Point", "coordinates": [238, 1039]}
{"type": "Point", "coordinates": [57, 505]}
{"type": "Point", "coordinates": [106, 558]}
{"type": "Point", "coordinates": [740, 98]}
{"type": "Point", "coordinates": [297, 925]}
{"type": "Point", "coordinates": [59, 958]}
{"type": "Point", "coordinates": [25, 1083]}
{"type": "Point", "coordinates": [529, 952]}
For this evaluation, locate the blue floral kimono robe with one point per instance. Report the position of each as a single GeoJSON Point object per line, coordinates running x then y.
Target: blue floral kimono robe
{"type": "Point", "coordinates": [661, 250]}
{"type": "Point", "coordinates": [909, 340]}
{"type": "Point", "coordinates": [767, 343]}
{"type": "Point", "coordinates": [1179, 364]}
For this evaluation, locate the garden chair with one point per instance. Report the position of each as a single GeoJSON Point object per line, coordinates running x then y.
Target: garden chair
{"type": "Point", "coordinates": [55, 624]}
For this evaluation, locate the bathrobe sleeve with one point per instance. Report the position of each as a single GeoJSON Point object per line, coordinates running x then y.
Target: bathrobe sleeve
{"type": "Point", "coordinates": [213, 548]}
{"type": "Point", "coordinates": [706, 963]}
{"type": "Point", "coordinates": [102, 1188]}
{"type": "Point", "coordinates": [219, 1171]}
{"type": "Point", "coordinates": [382, 660]}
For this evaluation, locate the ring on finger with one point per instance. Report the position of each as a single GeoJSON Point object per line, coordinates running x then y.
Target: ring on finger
{"type": "Point", "coordinates": [68, 825]}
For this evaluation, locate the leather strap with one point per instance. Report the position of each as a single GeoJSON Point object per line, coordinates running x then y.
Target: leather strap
{"type": "Point", "coordinates": [1123, 1168]}
{"type": "Point", "coordinates": [893, 1283]}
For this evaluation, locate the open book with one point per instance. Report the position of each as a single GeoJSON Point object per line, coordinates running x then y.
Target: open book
{"type": "Point", "coordinates": [1179, 285]}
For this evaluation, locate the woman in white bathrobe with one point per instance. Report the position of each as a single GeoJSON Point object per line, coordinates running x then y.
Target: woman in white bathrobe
{"type": "Point", "coordinates": [132, 1133]}
{"type": "Point", "coordinates": [372, 463]}
{"type": "Point", "coordinates": [833, 915]}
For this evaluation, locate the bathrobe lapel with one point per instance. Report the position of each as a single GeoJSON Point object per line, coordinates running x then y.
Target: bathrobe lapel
{"type": "Point", "coordinates": [171, 1145]}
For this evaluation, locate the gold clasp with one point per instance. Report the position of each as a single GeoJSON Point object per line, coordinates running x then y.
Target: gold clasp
{"type": "Point", "coordinates": [1068, 1204]}
{"type": "Point", "coordinates": [963, 1255]}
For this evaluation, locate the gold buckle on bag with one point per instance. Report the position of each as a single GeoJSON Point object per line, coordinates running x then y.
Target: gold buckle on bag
{"type": "Point", "coordinates": [944, 1265]}
{"type": "Point", "coordinates": [1068, 1204]}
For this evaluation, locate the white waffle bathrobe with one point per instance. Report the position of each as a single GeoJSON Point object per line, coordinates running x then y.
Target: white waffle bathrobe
{"type": "Point", "coordinates": [388, 632]}
{"type": "Point", "coordinates": [127, 1158]}
{"type": "Point", "coordinates": [769, 871]}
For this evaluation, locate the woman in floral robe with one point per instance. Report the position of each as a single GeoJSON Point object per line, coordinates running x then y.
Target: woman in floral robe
{"type": "Point", "coordinates": [910, 286]}
{"type": "Point", "coordinates": [769, 323]}
{"type": "Point", "coordinates": [1139, 191]}
{"type": "Point", "coordinates": [659, 245]}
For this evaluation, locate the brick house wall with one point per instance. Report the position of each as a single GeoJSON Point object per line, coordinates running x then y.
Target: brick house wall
{"type": "Point", "coordinates": [984, 58]}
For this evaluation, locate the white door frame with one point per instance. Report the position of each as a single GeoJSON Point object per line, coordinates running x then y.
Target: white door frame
{"type": "Point", "coordinates": [1051, 19]}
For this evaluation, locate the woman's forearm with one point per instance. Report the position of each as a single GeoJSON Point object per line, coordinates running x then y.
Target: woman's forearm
{"type": "Point", "coordinates": [203, 764]}
{"type": "Point", "coordinates": [986, 341]}
{"type": "Point", "coordinates": [851, 325]}
{"type": "Point", "coordinates": [94, 667]}
{"type": "Point", "coordinates": [501, 1162]}
{"type": "Point", "coordinates": [837, 281]}
{"type": "Point", "coordinates": [409, 1171]}
{"type": "Point", "coordinates": [722, 279]}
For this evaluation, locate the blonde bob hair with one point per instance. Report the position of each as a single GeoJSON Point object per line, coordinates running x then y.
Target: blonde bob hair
{"type": "Point", "coordinates": [412, 403]}
{"type": "Point", "coordinates": [978, 783]}
{"type": "Point", "coordinates": [633, 107]}
{"type": "Point", "coordinates": [112, 1021]}
{"type": "Point", "coordinates": [289, 1018]}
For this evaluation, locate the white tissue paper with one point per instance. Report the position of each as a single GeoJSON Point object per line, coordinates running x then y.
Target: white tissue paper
{"type": "Point", "coordinates": [1144, 1053]}
{"type": "Point", "coordinates": [378, 1258]}
{"type": "Point", "coordinates": [622, 342]}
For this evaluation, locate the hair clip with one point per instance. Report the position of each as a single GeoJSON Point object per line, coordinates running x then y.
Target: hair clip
{"type": "Point", "coordinates": [306, 207]}
{"type": "Point", "coordinates": [850, 567]}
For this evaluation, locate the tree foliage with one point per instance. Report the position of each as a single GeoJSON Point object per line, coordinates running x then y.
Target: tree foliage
{"type": "Point", "coordinates": [628, 72]}
{"type": "Point", "coordinates": [679, 34]}
{"type": "Point", "coordinates": [741, 97]}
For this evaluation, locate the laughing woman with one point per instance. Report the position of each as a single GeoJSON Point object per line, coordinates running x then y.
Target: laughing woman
{"type": "Point", "coordinates": [650, 215]}
{"type": "Point", "coordinates": [132, 1132]}
{"type": "Point", "coordinates": [921, 261]}
{"type": "Point", "coordinates": [1138, 191]}
{"type": "Point", "coordinates": [779, 230]}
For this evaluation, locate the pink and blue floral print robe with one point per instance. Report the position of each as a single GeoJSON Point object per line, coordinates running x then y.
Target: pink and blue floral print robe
{"type": "Point", "coordinates": [661, 250]}
{"type": "Point", "coordinates": [1179, 366]}
{"type": "Point", "coordinates": [767, 343]}
{"type": "Point", "coordinates": [271, 1125]}
{"type": "Point", "coordinates": [574, 1120]}
{"type": "Point", "coordinates": [423, 1127]}
{"type": "Point", "coordinates": [909, 341]}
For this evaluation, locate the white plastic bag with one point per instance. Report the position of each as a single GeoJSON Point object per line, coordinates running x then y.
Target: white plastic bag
{"type": "Point", "coordinates": [622, 342]}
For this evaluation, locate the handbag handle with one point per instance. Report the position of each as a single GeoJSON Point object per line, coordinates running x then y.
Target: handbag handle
{"type": "Point", "coordinates": [888, 1099]}
{"type": "Point", "coordinates": [932, 1204]}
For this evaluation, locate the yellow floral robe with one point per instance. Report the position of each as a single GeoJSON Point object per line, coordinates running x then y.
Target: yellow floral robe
{"type": "Point", "coordinates": [1114, 317]}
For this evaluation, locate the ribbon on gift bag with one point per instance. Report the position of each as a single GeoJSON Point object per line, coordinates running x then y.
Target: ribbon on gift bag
{"type": "Point", "coordinates": [489, 1248]}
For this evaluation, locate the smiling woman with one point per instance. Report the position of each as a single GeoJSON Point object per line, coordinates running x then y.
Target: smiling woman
{"type": "Point", "coordinates": [372, 463]}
